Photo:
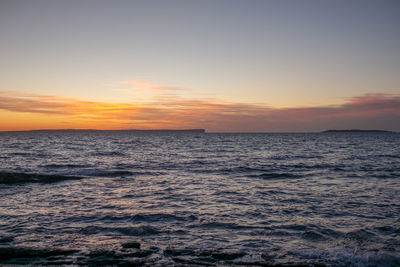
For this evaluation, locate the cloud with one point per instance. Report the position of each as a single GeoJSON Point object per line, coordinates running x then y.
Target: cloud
{"type": "Point", "coordinates": [136, 85]}
{"type": "Point", "coordinates": [43, 104]}
{"type": "Point", "coordinates": [369, 111]}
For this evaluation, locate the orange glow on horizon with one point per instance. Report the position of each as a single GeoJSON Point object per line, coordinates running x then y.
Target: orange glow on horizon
{"type": "Point", "coordinates": [31, 112]}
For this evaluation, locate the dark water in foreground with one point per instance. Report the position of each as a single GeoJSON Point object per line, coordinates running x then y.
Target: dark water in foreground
{"type": "Point", "coordinates": [200, 199]}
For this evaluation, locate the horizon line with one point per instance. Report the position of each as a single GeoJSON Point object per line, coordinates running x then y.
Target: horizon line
{"type": "Point", "coordinates": [196, 130]}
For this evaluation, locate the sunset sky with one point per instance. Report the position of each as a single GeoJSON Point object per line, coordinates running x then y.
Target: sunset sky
{"type": "Point", "coordinates": [242, 66]}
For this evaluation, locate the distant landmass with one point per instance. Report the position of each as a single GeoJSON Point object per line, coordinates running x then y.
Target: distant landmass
{"type": "Point", "coordinates": [124, 131]}
{"type": "Point", "coordinates": [356, 131]}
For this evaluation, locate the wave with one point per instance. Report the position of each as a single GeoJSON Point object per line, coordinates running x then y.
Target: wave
{"type": "Point", "coordinates": [115, 173]}
{"type": "Point", "coordinates": [18, 178]}
{"type": "Point", "coordinates": [57, 166]}
{"type": "Point", "coordinates": [131, 254]}
{"type": "Point", "coordinates": [344, 257]}
{"type": "Point", "coordinates": [107, 154]}
{"type": "Point", "coordinates": [221, 225]}
{"type": "Point", "coordinates": [264, 173]}
{"type": "Point", "coordinates": [138, 218]}
{"type": "Point", "coordinates": [162, 217]}
{"type": "Point", "coordinates": [241, 169]}
{"type": "Point", "coordinates": [7, 177]}
{"type": "Point", "coordinates": [268, 176]}
{"type": "Point", "coordinates": [103, 173]}
{"type": "Point", "coordinates": [8, 252]}
{"type": "Point", "coordinates": [387, 156]}
{"type": "Point", "coordinates": [6, 239]}
{"type": "Point", "coordinates": [143, 230]}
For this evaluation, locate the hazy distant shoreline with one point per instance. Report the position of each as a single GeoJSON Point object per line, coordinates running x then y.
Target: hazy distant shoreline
{"type": "Point", "coordinates": [94, 130]}
{"type": "Point", "coordinates": [357, 131]}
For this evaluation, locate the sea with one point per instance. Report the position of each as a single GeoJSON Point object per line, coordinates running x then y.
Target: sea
{"type": "Point", "coordinates": [102, 198]}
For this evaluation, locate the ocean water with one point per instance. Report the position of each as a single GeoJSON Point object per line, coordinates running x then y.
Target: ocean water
{"type": "Point", "coordinates": [115, 198]}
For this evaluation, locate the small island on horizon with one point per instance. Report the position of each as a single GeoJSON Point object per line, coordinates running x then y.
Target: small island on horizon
{"type": "Point", "coordinates": [356, 131]}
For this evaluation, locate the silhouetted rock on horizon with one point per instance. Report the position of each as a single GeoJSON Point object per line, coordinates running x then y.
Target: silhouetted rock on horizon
{"type": "Point", "coordinates": [356, 131]}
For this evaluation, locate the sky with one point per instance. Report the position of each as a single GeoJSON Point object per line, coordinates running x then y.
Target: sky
{"type": "Point", "coordinates": [226, 66]}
